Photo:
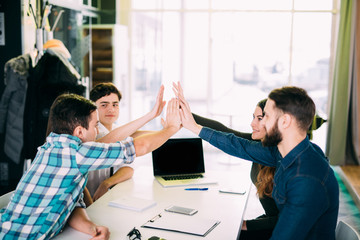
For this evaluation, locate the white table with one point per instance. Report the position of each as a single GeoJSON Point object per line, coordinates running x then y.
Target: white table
{"type": "Point", "coordinates": [227, 208]}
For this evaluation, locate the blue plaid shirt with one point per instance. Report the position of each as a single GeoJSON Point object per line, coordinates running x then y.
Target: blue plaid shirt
{"type": "Point", "coordinates": [50, 190]}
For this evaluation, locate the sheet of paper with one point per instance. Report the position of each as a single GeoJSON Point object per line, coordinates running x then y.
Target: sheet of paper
{"type": "Point", "coordinates": [182, 223]}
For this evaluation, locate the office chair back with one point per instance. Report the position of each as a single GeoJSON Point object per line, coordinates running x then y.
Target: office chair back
{"type": "Point", "coordinates": [5, 199]}
{"type": "Point", "coordinates": [345, 232]}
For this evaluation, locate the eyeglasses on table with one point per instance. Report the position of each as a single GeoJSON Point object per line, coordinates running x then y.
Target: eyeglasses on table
{"type": "Point", "coordinates": [135, 234]}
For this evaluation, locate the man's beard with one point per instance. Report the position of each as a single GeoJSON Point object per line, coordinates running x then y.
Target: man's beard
{"type": "Point", "coordinates": [272, 138]}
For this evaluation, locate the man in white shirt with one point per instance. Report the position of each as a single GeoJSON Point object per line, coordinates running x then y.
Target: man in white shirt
{"type": "Point", "coordinates": [107, 97]}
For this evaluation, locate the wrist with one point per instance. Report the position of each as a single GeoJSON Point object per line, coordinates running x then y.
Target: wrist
{"type": "Point", "coordinates": [92, 229]}
{"type": "Point", "coordinates": [106, 184]}
{"type": "Point", "coordinates": [196, 128]}
{"type": "Point", "coordinates": [150, 116]}
{"type": "Point", "coordinates": [172, 129]}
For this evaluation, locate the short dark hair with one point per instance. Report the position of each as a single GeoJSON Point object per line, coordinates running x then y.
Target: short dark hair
{"type": "Point", "coordinates": [69, 111]}
{"type": "Point", "coordinates": [295, 101]}
{"type": "Point", "coordinates": [104, 89]}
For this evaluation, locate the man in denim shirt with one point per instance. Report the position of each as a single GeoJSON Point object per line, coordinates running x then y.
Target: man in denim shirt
{"type": "Point", "coordinates": [305, 188]}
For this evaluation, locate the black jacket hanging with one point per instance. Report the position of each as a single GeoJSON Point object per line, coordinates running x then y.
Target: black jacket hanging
{"type": "Point", "coordinates": [50, 78]}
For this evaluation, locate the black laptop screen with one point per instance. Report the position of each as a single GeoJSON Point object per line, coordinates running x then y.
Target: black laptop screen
{"type": "Point", "coordinates": [179, 156]}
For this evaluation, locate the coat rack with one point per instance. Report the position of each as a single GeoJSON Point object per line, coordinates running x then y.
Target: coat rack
{"type": "Point", "coordinates": [43, 30]}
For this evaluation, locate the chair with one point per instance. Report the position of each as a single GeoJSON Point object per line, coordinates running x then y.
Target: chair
{"type": "Point", "coordinates": [345, 232]}
{"type": "Point", "coordinates": [5, 199]}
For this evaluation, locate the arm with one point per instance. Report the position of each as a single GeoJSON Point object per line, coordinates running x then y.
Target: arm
{"type": "Point", "coordinates": [193, 119]}
{"type": "Point", "coordinates": [260, 223]}
{"type": "Point", "coordinates": [229, 143]}
{"type": "Point", "coordinates": [206, 122]}
{"type": "Point", "coordinates": [130, 128]}
{"type": "Point", "coordinates": [148, 142]}
{"type": "Point", "coordinates": [80, 221]}
{"type": "Point", "coordinates": [123, 174]}
{"type": "Point", "coordinates": [94, 155]}
{"type": "Point", "coordinates": [87, 197]}
{"type": "Point", "coordinates": [139, 133]}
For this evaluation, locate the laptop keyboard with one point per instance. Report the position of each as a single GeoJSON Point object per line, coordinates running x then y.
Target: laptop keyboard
{"type": "Point", "coordinates": [182, 177]}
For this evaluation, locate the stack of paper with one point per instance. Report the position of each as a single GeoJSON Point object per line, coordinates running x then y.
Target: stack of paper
{"type": "Point", "coordinates": [132, 203]}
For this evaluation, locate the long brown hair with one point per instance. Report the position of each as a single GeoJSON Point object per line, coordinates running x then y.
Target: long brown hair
{"type": "Point", "coordinates": [264, 182]}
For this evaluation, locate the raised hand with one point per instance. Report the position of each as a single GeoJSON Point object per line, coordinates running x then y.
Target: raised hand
{"type": "Point", "coordinates": [159, 105]}
{"type": "Point", "coordinates": [187, 118]}
{"type": "Point", "coordinates": [172, 115]}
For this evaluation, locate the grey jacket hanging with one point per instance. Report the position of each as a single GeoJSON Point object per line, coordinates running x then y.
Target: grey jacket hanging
{"type": "Point", "coordinates": [12, 105]}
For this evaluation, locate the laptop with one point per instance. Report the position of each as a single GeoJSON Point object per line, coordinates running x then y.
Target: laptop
{"type": "Point", "coordinates": [180, 162]}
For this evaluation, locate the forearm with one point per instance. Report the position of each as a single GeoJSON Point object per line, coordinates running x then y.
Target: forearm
{"type": "Point", "coordinates": [239, 147]}
{"type": "Point", "coordinates": [80, 221]}
{"type": "Point", "coordinates": [126, 130]}
{"type": "Point", "coordinates": [210, 123]}
{"type": "Point", "coordinates": [148, 142]}
{"type": "Point", "coordinates": [140, 132]}
{"type": "Point", "coordinates": [261, 223]}
{"type": "Point", "coordinates": [120, 175]}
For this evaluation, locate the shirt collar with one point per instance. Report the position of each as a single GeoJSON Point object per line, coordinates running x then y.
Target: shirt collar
{"type": "Point", "coordinates": [103, 130]}
{"type": "Point", "coordinates": [295, 152]}
{"type": "Point", "coordinates": [63, 138]}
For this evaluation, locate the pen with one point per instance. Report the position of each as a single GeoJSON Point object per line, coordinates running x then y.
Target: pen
{"type": "Point", "coordinates": [154, 218]}
{"type": "Point", "coordinates": [196, 189]}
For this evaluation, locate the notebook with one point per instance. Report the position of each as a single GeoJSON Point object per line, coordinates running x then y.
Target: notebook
{"type": "Point", "coordinates": [180, 162]}
{"type": "Point", "coordinates": [132, 203]}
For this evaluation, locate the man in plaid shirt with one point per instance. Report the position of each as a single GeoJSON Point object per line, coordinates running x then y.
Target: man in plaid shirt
{"type": "Point", "coordinates": [50, 193]}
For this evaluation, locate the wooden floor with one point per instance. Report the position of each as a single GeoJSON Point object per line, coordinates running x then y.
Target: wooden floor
{"type": "Point", "coordinates": [353, 174]}
{"type": "Point", "coordinates": [351, 177]}
{"type": "Point", "coordinates": [349, 185]}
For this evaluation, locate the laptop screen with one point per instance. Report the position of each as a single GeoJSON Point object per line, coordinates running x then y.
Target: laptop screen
{"type": "Point", "coordinates": [179, 156]}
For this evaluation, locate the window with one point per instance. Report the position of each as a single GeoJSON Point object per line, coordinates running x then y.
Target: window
{"type": "Point", "coordinates": [228, 54]}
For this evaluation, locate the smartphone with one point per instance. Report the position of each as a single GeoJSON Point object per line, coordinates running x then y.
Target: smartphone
{"type": "Point", "coordinates": [240, 191]}
{"type": "Point", "coordinates": [182, 210]}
